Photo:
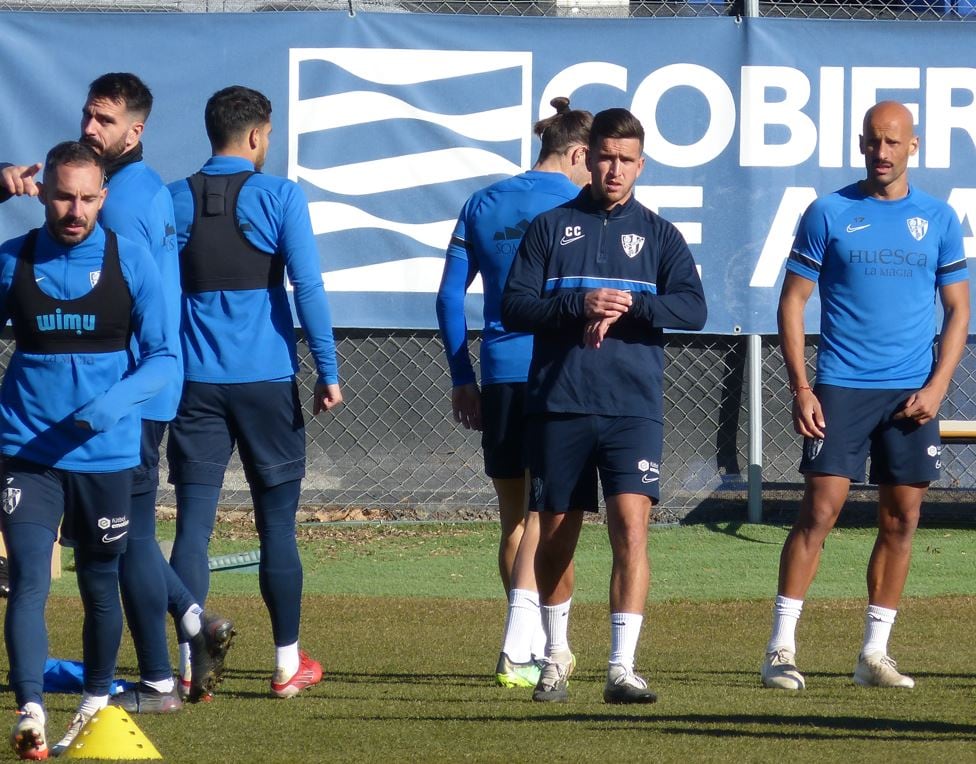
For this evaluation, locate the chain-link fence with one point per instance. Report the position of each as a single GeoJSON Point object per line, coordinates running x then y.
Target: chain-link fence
{"type": "Point", "coordinates": [392, 450]}
{"type": "Point", "coordinates": [830, 9]}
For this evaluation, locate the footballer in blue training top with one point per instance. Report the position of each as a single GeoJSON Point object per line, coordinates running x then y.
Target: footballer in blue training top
{"type": "Point", "coordinates": [486, 238]}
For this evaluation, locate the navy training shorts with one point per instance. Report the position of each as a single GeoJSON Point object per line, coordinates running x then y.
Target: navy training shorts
{"type": "Point", "coordinates": [567, 451]}
{"type": "Point", "coordinates": [503, 429]}
{"type": "Point", "coordinates": [145, 477]}
{"type": "Point", "coordinates": [860, 423]}
{"type": "Point", "coordinates": [263, 419]}
{"type": "Point", "coordinates": [91, 508]}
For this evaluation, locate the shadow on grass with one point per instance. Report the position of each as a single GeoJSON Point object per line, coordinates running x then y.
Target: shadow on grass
{"type": "Point", "coordinates": [779, 726]}
{"type": "Point", "coordinates": [734, 529]}
{"type": "Point", "coordinates": [811, 727]}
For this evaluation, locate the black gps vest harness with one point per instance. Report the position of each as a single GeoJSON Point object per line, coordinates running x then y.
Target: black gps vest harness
{"type": "Point", "coordinates": [217, 256]}
{"type": "Point", "coordinates": [97, 322]}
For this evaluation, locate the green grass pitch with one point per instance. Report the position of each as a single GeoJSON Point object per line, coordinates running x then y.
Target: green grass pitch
{"type": "Point", "coordinates": [407, 623]}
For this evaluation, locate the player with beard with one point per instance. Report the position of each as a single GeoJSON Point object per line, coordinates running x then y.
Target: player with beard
{"type": "Point", "coordinates": [76, 294]}
{"type": "Point", "coordinates": [239, 232]}
{"type": "Point", "coordinates": [139, 207]}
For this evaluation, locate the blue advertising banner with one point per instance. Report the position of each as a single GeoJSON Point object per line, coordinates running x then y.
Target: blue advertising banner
{"type": "Point", "coordinates": [390, 121]}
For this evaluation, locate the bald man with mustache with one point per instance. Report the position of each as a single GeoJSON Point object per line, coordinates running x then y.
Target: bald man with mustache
{"type": "Point", "coordinates": [879, 251]}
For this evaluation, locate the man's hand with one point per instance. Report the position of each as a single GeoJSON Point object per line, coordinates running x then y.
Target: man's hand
{"type": "Point", "coordinates": [18, 180]}
{"type": "Point", "coordinates": [921, 406]}
{"type": "Point", "coordinates": [808, 418]}
{"type": "Point", "coordinates": [327, 397]}
{"type": "Point", "coordinates": [466, 406]}
{"type": "Point", "coordinates": [606, 303]}
{"type": "Point", "coordinates": [596, 330]}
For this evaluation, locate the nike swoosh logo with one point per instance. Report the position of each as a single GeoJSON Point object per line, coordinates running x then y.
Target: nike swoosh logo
{"type": "Point", "coordinates": [566, 240]}
{"type": "Point", "coordinates": [646, 479]}
{"type": "Point", "coordinates": [106, 539]}
{"type": "Point", "coordinates": [39, 279]}
{"type": "Point", "coordinates": [856, 228]}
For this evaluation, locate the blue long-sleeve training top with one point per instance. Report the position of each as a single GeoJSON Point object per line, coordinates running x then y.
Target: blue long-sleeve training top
{"type": "Point", "coordinates": [249, 335]}
{"type": "Point", "coordinates": [139, 207]}
{"type": "Point", "coordinates": [485, 239]}
{"type": "Point", "coordinates": [578, 247]}
{"type": "Point", "coordinates": [44, 395]}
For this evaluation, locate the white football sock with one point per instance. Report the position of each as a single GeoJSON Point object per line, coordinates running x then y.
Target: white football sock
{"type": "Point", "coordinates": [92, 704]}
{"type": "Point", "coordinates": [521, 624]}
{"type": "Point", "coordinates": [625, 629]}
{"type": "Point", "coordinates": [191, 622]}
{"type": "Point", "coordinates": [786, 613]}
{"type": "Point", "coordinates": [161, 685]}
{"type": "Point", "coordinates": [184, 660]}
{"type": "Point", "coordinates": [555, 620]}
{"type": "Point", "coordinates": [877, 628]}
{"type": "Point", "coordinates": [287, 660]}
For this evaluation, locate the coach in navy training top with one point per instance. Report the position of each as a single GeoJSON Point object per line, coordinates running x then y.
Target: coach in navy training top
{"type": "Point", "coordinates": [485, 240]}
{"type": "Point", "coordinates": [70, 421]}
{"type": "Point", "coordinates": [597, 280]}
{"type": "Point", "coordinates": [239, 232]}
{"type": "Point", "coordinates": [880, 251]}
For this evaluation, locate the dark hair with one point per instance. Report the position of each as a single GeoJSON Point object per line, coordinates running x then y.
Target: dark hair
{"type": "Point", "coordinates": [126, 88]}
{"type": "Point", "coordinates": [71, 152]}
{"type": "Point", "coordinates": [233, 111]}
{"type": "Point", "coordinates": [567, 127]}
{"type": "Point", "coordinates": [615, 123]}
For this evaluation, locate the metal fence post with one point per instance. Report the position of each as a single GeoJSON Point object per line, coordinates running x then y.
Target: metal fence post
{"type": "Point", "coordinates": [754, 364]}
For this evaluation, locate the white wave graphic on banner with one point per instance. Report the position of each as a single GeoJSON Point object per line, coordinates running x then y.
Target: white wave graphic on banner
{"type": "Point", "coordinates": [403, 66]}
{"type": "Point", "coordinates": [418, 72]}
{"type": "Point", "coordinates": [399, 276]}
{"type": "Point", "coordinates": [331, 217]}
{"type": "Point", "coordinates": [402, 172]}
{"type": "Point", "coordinates": [358, 107]}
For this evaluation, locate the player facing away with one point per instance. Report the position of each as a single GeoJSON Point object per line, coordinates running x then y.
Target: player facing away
{"type": "Point", "coordinates": [485, 239]}
{"type": "Point", "coordinates": [239, 232]}
{"type": "Point", "coordinates": [596, 281]}
{"type": "Point", "coordinates": [76, 294]}
{"type": "Point", "coordinates": [879, 251]}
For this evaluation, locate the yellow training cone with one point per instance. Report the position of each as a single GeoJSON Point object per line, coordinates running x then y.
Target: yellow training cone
{"type": "Point", "coordinates": [111, 734]}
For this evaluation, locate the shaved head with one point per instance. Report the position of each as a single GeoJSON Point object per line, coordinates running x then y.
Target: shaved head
{"type": "Point", "coordinates": [887, 113]}
{"type": "Point", "coordinates": [888, 141]}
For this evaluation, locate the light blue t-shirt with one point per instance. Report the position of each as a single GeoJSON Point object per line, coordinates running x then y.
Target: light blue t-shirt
{"type": "Point", "coordinates": [878, 265]}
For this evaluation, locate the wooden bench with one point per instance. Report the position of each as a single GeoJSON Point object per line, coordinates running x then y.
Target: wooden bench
{"type": "Point", "coordinates": [958, 431]}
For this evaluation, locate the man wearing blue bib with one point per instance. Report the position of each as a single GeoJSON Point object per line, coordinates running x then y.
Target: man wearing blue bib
{"type": "Point", "coordinates": [880, 251]}
{"type": "Point", "coordinates": [239, 232]}
{"type": "Point", "coordinates": [139, 207]}
{"type": "Point", "coordinates": [70, 406]}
